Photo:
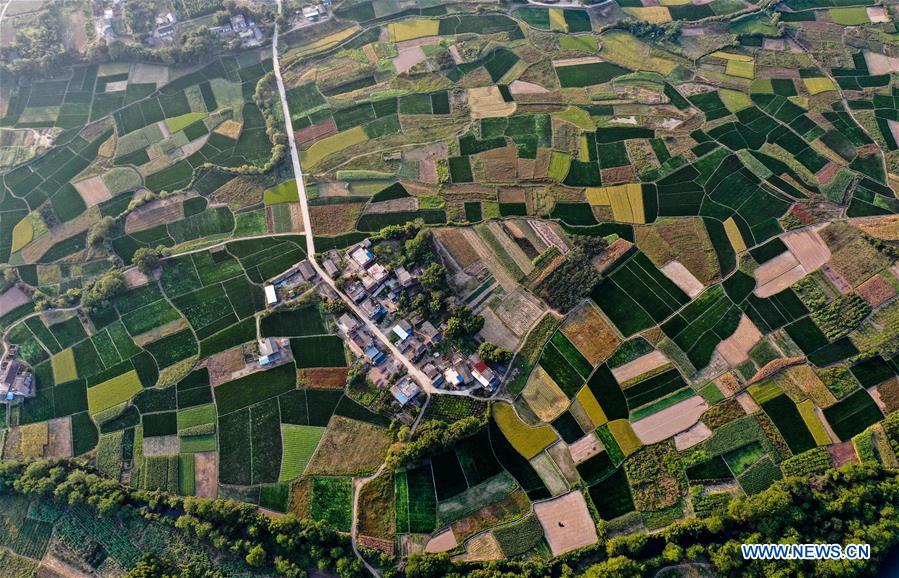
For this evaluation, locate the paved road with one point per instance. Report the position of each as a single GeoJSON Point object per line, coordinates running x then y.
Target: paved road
{"type": "Point", "coordinates": [413, 371]}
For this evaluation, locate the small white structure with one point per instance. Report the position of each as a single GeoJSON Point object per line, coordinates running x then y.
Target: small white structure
{"type": "Point", "coordinates": [269, 351]}
{"type": "Point", "coordinates": [271, 296]}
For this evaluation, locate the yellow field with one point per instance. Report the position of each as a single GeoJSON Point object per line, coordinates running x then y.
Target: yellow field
{"type": "Point", "coordinates": [730, 56]}
{"type": "Point", "coordinates": [625, 436]}
{"type": "Point", "coordinates": [544, 396]}
{"type": "Point", "coordinates": [734, 235]}
{"type": "Point", "coordinates": [559, 163]}
{"type": "Point", "coordinates": [35, 438]}
{"type": "Point", "coordinates": [734, 100]}
{"type": "Point", "coordinates": [230, 129]}
{"type": "Point", "coordinates": [626, 201]}
{"type": "Point", "coordinates": [557, 20]}
{"type": "Point", "coordinates": [412, 29]}
{"type": "Point", "coordinates": [327, 42]}
{"type": "Point", "coordinates": [740, 69]}
{"type": "Point", "coordinates": [807, 411]}
{"type": "Point", "coordinates": [818, 85]}
{"type": "Point", "coordinates": [528, 441]}
{"type": "Point", "coordinates": [63, 364]}
{"type": "Point", "coordinates": [576, 116]}
{"type": "Point", "coordinates": [594, 411]}
{"type": "Point", "coordinates": [22, 234]}
{"type": "Point", "coordinates": [625, 50]}
{"type": "Point", "coordinates": [653, 14]}
{"type": "Point", "coordinates": [113, 392]}
{"type": "Point", "coordinates": [177, 123]}
{"type": "Point", "coordinates": [327, 146]}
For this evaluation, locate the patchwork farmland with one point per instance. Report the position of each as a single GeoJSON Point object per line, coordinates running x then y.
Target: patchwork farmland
{"type": "Point", "coordinates": [588, 282]}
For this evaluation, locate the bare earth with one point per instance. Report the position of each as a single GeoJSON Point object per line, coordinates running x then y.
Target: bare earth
{"type": "Point", "coordinates": [154, 213]}
{"type": "Point", "coordinates": [13, 298]}
{"type": "Point", "coordinates": [585, 448]}
{"type": "Point", "coordinates": [735, 349]}
{"type": "Point", "coordinates": [522, 87]}
{"type": "Point", "coordinates": [566, 522]}
{"type": "Point", "coordinates": [483, 547]}
{"type": "Point", "coordinates": [206, 472]}
{"type": "Point", "coordinates": [747, 403]}
{"type": "Point", "coordinates": [675, 419]}
{"type": "Point", "coordinates": [687, 439]}
{"type": "Point", "coordinates": [777, 274]}
{"type": "Point", "coordinates": [442, 542]}
{"type": "Point", "coordinates": [639, 366]}
{"type": "Point", "coordinates": [682, 277]}
{"type": "Point", "coordinates": [161, 446]}
{"type": "Point", "coordinates": [407, 58]}
{"type": "Point", "coordinates": [59, 437]}
{"type": "Point", "coordinates": [93, 191]}
{"type": "Point", "coordinates": [881, 64]}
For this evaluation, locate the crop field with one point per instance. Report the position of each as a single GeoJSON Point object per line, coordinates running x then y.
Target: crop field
{"type": "Point", "coordinates": [703, 197]}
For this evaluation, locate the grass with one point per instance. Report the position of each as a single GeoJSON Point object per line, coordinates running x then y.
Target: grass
{"type": "Point", "coordinates": [63, 364]}
{"type": "Point", "coordinates": [22, 233]}
{"type": "Point", "coordinates": [812, 422]}
{"type": "Point", "coordinates": [181, 122]}
{"type": "Point", "coordinates": [298, 442]}
{"type": "Point", "coordinates": [327, 146]}
{"type": "Point", "coordinates": [350, 446]}
{"type": "Point", "coordinates": [818, 85]}
{"type": "Point", "coordinates": [526, 440]}
{"type": "Point", "coordinates": [852, 16]}
{"type": "Point", "coordinates": [559, 163]}
{"type": "Point", "coordinates": [113, 392]}
{"type": "Point", "coordinates": [734, 100]}
{"type": "Point", "coordinates": [591, 406]}
{"type": "Point", "coordinates": [332, 502]}
{"type": "Point", "coordinates": [740, 69]}
{"type": "Point", "coordinates": [285, 192]}
{"type": "Point", "coordinates": [579, 43]}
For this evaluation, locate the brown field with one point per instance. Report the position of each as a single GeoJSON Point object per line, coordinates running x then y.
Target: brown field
{"type": "Point", "coordinates": [323, 378]}
{"type": "Point", "coordinates": [154, 213]}
{"type": "Point", "coordinates": [229, 128]}
{"type": "Point", "coordinates": [613, 252]}
{"type": "Point", "coordinates": [349, 447]}
{"type": "Point", "coordinates": [670, 421]}
{"type": "Point", "coordinates": [495, 331]}
{"type": "Point", "coordinates": [334, 219]}
{"type": "Point", "coordinates": [161, 446]}
{"type": "Point", "coordinates": [586, 328]}
{"type": "Point", "coordinates": [223, 365]}
{"type": "Point", "coordinates": [853, 257]}
{"type": "Point", "coordinates": [728, 384]}
{"type": "Point", "coordinates": [808, 382]}
{"type": "Point", "coordinates": [842, 454]}
{"type": "Point", "coordinates": [808, 248]}
{"type": "Point", "coordinates": [683, 239]}
{"type": "Point", "coordinates": [487, 101]}
{"type": "Point", "coordinates": [36, 249]}
{"type": "Point", "coordinates": [511, 195]}
{"type": "Point", "coordinates": [747, 403]}
{"type": "Point", "coordinates": [93, 191]}
{"type": "Point", "coordinates": [641, 365]}
{"type": "Point", "coordinates": [391, 206]}
{"type": "Point", "coordinates": [735, 349]}
{"type": "Point", "coordinates": [316, 131]}
{"type": "Point", "coordinates": [482, 548]}
{"type": "Point", "coordinates": [561, 456]}
{"type": "Point", "coordinates": [512, 506]}
{"type": "Point", "coordinates": [518, 311]}
{"type": "Point", "coordinates": [881, 64]}
{"type": "Point", "coordinates": [544, 396]}
{"type": "Point", "coordinates": [300, 503]}
{"type": "Point", "coordinates": [206, 473]}
{"type": "Point", "coordinates": [566, 522]}
{"type": "Point", "coordinates": [876, 291]}
{"type": "Point", "coordinates": [241, 191]}
{"type": "Point", "coordinates": [59, 438]}
{"type": "Point", "coordinates": [499, 165]}
{"type": "Point", "coordinates": [615, 175]}
{"type": "Point", "coordinates": [512, 249]}
{"type": "Point", "coordinates": [889, 394]}
{"type": "Point", "coordinates": [457, 246]}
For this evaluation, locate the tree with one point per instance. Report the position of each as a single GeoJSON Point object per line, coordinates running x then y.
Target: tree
{"type": "Point", "coordinates": [101, 231]}
{"type": "Point", "coordinates": [99, 293]}
{"type": "Point", "coordinates": [147, 259]}
{"type": "Point", "coordinates": [463, 323]}
{"type": "Point", "coordinates": [428, 565]}
{"type": "Point", "coordinates": [492, 353]}
{"type": "Point", "coordinates": [256, 556]}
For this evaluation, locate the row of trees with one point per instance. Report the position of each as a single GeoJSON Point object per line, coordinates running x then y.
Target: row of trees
{"type": "Point", "coordinates": [573, 280]}
{"type": "Point", "coordinates": [285, 546]}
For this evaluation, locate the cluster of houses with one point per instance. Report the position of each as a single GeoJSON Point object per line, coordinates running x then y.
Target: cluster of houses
{"type": "Point", "coordinates": [16, 381]}
{"type": "Point", "coordinates": [244, 27]}
{"type": "Point", "coordinates": [377, 293]}
{"type": "Point", "coordinates": [165, 26]}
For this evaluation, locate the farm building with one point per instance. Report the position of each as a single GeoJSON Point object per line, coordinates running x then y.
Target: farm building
{"type": "Point", "coordinates": [17, 383]}
{"type": "Point", "coordinates": [405, 391]}
{"type": "Point", "coordinates": [269, 351]}
{"type": "Point", "coordinates": [484, 375]}
{"type": "Point", "coordinates": [271, 296]}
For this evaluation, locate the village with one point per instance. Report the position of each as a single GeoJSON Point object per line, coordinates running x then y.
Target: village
{"type": "Point", "coordinates": [377, 291]}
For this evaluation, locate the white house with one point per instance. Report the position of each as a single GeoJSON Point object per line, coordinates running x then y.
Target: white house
{"type": "Point", "coordinates": [271, 296]}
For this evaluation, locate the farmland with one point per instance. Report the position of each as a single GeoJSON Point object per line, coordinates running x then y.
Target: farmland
{"type": "Point", "coordinates": [668, 228]}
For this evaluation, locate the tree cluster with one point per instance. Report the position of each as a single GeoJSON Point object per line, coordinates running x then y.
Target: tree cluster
{"type": "Point", "coordinates": [431, 437]}
{"type": "Point", "coordinates": [37, 50]}
{"type": "Point", "coordinates": [148, 259]}
{"type": "Point", "coordinates": [664, 32]}
{"type": "Point", "coordinates": [573, 280]}
{"type": "Point", "coordinates": [462, 323]}
{"type": "Point", "coordinates": [492, 353]}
